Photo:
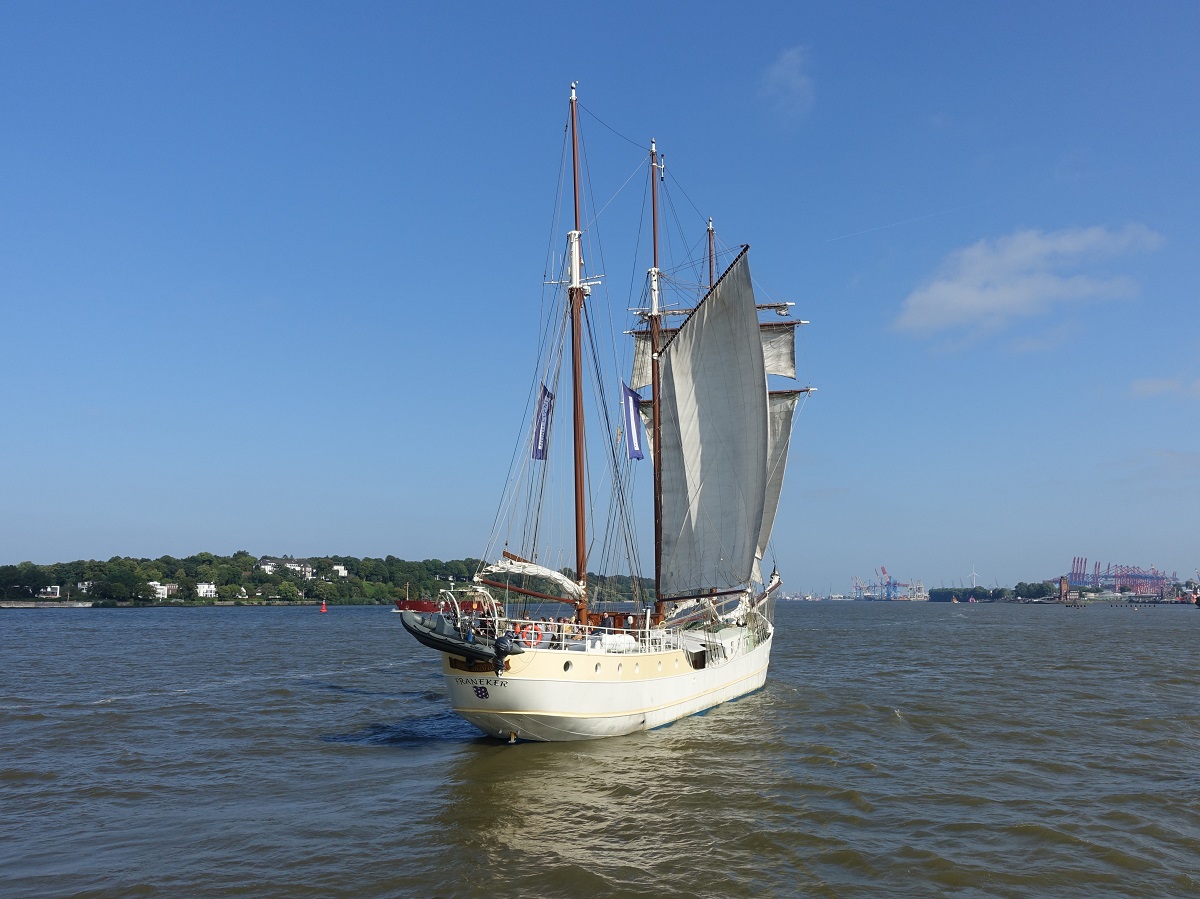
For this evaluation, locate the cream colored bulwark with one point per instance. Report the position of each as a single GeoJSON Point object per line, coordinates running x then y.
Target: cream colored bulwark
{"type": "Point", "coordinates": [549, 664]}
{"type": "Point", "coordinates": [538, 700]}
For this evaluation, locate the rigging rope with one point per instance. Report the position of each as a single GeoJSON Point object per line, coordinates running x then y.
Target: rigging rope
{"type": "Point", "coordinates": [610, 127]}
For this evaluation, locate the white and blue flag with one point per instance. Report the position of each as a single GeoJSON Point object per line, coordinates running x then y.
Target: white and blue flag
{"type": "Point", "coordinates": [541, 423]}
{"type": "Point", "coordinates": [633, 422]}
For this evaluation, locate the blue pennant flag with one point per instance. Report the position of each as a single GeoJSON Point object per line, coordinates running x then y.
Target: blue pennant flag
{"type": "Point", "coordinates": [541, 423]}
{"type": "Point", "coordinates": [633, 422]}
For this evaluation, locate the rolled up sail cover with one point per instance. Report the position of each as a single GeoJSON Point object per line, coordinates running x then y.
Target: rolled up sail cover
{"type": "Point", "coordinates": [513, 566]}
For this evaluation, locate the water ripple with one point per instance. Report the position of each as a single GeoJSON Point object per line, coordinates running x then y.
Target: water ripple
{"type": "Point", "coordinates": [896, 751]}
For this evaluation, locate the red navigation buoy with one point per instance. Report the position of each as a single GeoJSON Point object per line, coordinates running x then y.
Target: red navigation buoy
{"type": "Point", "coordinates": [323, 609]}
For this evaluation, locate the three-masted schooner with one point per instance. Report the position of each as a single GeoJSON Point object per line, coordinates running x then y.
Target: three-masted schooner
{"type": "Point", "coordinates": [631, 656]}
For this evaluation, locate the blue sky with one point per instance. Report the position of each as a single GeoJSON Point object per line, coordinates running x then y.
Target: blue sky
{"type": "Point", "coordinates": [264, 268]}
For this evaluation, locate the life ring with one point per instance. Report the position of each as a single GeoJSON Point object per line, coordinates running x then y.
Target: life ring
{"type": "Point", "coordinates": [531, 635]}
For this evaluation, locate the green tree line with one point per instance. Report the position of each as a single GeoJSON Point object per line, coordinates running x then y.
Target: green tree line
{"type": "Point", "coordinates": [1023, 590]}
{"type": "Point", "coordinates": [127, 579]}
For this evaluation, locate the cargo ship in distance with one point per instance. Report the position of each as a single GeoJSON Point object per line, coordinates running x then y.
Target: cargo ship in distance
{"type": "Point", "coordinates": [423, 605]}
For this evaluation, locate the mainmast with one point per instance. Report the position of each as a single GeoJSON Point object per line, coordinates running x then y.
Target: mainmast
{"type": "Point", "coordinates": [655, 385]}
{"type": "Point", "coordinates": [575, 295]}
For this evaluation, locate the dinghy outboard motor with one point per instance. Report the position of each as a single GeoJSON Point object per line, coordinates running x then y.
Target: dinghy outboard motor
{"type": "Point", "coordinates": [505, 645]}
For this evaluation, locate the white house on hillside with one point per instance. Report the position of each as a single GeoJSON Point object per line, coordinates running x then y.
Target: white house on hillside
{"type": "Point", "coordinates": [162, 591]}
{"type": "Point", "coordinates": [300, 566]}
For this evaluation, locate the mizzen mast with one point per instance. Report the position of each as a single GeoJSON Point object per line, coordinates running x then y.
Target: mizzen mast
{"type": "Point", "coordinates": [575, 295]}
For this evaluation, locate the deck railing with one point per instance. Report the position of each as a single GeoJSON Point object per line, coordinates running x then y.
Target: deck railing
{"type": "Point", "coordinates": [569, 637]}
{"type": "Point", "coordinates": [486, 621]}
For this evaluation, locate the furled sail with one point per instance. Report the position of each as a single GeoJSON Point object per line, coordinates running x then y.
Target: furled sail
{"type": "Point", "coordinates": [515, 566]}
{"type": "Point", "coordinates": [714, 433]}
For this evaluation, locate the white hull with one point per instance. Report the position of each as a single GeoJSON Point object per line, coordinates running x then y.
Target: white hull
{"type": "Point", "coordinates": [552, 694]}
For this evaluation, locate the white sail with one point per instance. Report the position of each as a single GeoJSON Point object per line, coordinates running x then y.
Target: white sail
{"type": "Point", "coordinates": [782, 405]}
{"type": "Point", "coordinates": [641, 356]}
{"type": "Point", "coordinates": [512, 566]}
{"type": "Point", "coordinates": [778, 343]}
{"type": "Point", "coordinates": [714, 441]}
{"type": "Point", "coordinates": [646, 410]}
{"type": "Point", "coordinates": [779, 358]}
{"type": "Point", "coordinates": [779, 348]}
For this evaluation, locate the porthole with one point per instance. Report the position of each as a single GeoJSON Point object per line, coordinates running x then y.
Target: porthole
{"type": "Point", "coordinates": [660, 666]}
{"type": "Point", "coordinates": [566, 666]}
{"type": "Point", "coordinates": [677, 664]}
{"type": "Point", "coordinates": [637, 668]}
{"type": "Point", "coordinates": [618, 667]}
{"type": "Point", "coordinates": [597, 667]}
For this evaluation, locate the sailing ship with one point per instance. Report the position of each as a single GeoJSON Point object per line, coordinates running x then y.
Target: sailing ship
{"type": "Point", "coordinates": [632, 653]}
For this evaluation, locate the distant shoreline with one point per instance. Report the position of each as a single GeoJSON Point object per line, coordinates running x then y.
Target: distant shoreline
{"type": "Point", "coordinates": [51, 604]}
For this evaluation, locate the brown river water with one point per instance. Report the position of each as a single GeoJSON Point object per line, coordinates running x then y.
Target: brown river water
{"type": "Point", "coordinates": [896, 750]}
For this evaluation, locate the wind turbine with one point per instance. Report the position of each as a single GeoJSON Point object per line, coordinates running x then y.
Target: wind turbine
{"type": "Point", "coordinates": [973, 575]}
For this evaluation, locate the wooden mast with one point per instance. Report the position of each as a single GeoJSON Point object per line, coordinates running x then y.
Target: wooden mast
{"type": "Point", "coordinates": [575, 295]}
{"type": "Point", "coordinates": [712, 256]}
{"type": "Point", "coordinates": [655, 387]}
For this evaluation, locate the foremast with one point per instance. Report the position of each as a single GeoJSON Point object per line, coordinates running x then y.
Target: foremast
{"type": "Point", "coordinates": [576, 292]}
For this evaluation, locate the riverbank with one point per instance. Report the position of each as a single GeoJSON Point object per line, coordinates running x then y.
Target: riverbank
{"type": "Point", "coordinates": [100, 604]}
{"type": "Point", "coordinates": [42, 604]}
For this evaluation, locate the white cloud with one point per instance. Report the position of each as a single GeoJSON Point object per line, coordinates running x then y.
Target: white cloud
{"type": "Point", "coordinates": [788, 87]}
{"type": "Point", "coordinates": [986, 286]}
{"type": "Point", "coordinates": [1045, 341]}
{"type": "Point", "coordinates": [1177, 463]}
{"type": "Point", "coordinates": [1165, 386]}
{"type": "Point", "coordinates": [1155, 465]}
